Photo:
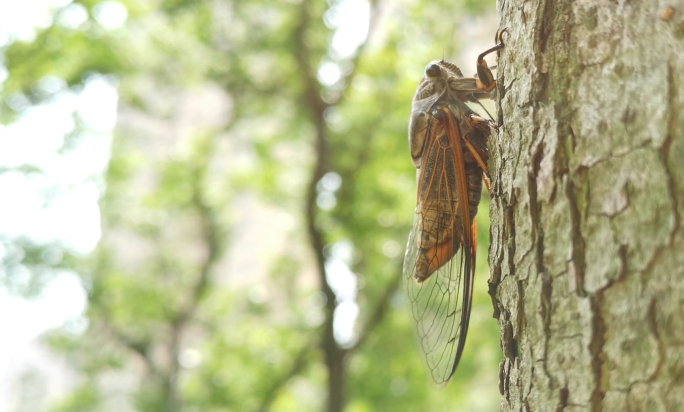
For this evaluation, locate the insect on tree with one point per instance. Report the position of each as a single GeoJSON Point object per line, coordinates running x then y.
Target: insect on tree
{"type": "Point", "coordinates": [448, 143]}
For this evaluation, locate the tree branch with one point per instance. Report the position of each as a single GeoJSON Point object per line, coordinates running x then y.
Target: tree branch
{"type": "Point", "coordinates": [137, 346]}
{"type": "Point", "coordinates": [378, 313]}
{"type": "Point", "coordinates": [300, 362]}
{"type": "Point", "coordinates": [213, 239]}
{"type": "Point", "coordinates": [334, 355]}
{"type": "Point", "coordinates": [349, 78]}
{"type": "Point", "coordinates": [304, 356]}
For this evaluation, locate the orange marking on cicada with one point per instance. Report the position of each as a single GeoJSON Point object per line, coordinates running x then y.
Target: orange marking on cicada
{"type": "Point", "coordinates": [475, 234]}
{"type": "Point", "coordinates": [477, 157]}
{"type": "Point", "coordinates": [438, 256]}
{"type": "Point", "coordinates": [479, 120]}
{"type": "Point", "coordinates": [488, 183]}
{"type": "Point", "coordinates": [455, 142]}
{"type": "Point", "coordinates": [485, 79]}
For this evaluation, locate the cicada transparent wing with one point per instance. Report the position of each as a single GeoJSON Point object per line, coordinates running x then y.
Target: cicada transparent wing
{"type": "Point", "coordinates": [441, 251]}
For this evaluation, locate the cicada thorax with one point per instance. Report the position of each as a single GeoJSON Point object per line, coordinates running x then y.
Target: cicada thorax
{"type": "Point", "coordinates": [441, 227]}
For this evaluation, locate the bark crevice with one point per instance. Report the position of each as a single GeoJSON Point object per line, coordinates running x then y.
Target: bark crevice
{"type": "Point", "coordinates": [672, 128]}
{"type": "Point", "coordinates": [563, 396]}
{"type": "Point", "coordinates": [596, 345]}
{"type": "Point", "coordinates": [653, 323]}
{"type": "Point", "coordinates": [577, 239]}
{"type": "Point", "coordinates": [545, 312]}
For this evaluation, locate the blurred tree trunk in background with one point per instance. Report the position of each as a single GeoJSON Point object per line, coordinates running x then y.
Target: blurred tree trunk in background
{"type": "Point", "coordinates": [316, 106]}
{"type": "Point", "coordinates": [587, 250]}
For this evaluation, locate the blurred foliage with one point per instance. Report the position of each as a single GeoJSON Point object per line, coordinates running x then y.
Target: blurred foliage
{"type": "Point", "coordinates": [166, 314]}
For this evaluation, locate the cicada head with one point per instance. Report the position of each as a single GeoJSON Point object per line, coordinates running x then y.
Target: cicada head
{"type": "Point", "coordinates": [438, 74]}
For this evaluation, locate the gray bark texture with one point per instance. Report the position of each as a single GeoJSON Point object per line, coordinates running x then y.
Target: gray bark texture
{"type": "Point", "coordinates": [587, 250]}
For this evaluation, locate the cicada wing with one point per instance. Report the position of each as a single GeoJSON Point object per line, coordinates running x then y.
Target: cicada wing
{"type": "Point", "coordinates": [440, 306]}
{"type": "Point", "coordinates": [440, 255]}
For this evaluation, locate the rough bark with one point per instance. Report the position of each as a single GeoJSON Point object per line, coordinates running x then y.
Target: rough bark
{"type": "Point", "coordinates": [587, 250]}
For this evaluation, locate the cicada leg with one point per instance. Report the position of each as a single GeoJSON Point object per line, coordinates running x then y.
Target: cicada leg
{"type": "Point", "coordinates": [478, 151]}
{"type": "Point", "coordinates": [479, 120]}
{"type": "Point", "coordinates": [480, 154]}
{"type": "Point", "coordinates": [489, 67]}
{"type": "Point", "coordinates": [477, 156]}
{"type": "Point", "coordinates": [485, 80]}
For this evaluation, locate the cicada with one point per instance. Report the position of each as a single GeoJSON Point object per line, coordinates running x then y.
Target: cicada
{"type": "Point", "coordinates": [448, 143]}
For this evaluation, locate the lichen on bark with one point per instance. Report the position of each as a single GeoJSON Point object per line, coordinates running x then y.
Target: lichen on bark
{"type": "Point", "coordinates": [587, 251]}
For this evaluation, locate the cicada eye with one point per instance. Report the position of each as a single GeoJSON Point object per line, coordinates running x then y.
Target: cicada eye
{"type": "Point", "coordinates": [433, 70]}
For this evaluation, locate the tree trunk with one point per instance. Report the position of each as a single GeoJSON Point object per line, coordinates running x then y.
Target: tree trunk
{"type": "Point", "coordinates": [587, 250]}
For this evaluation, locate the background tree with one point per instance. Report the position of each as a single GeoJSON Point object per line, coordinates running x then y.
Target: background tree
{"type": "Point", "coordinates": [588, 171]}
{"type": "Point", "coordinates": [259, 188]}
